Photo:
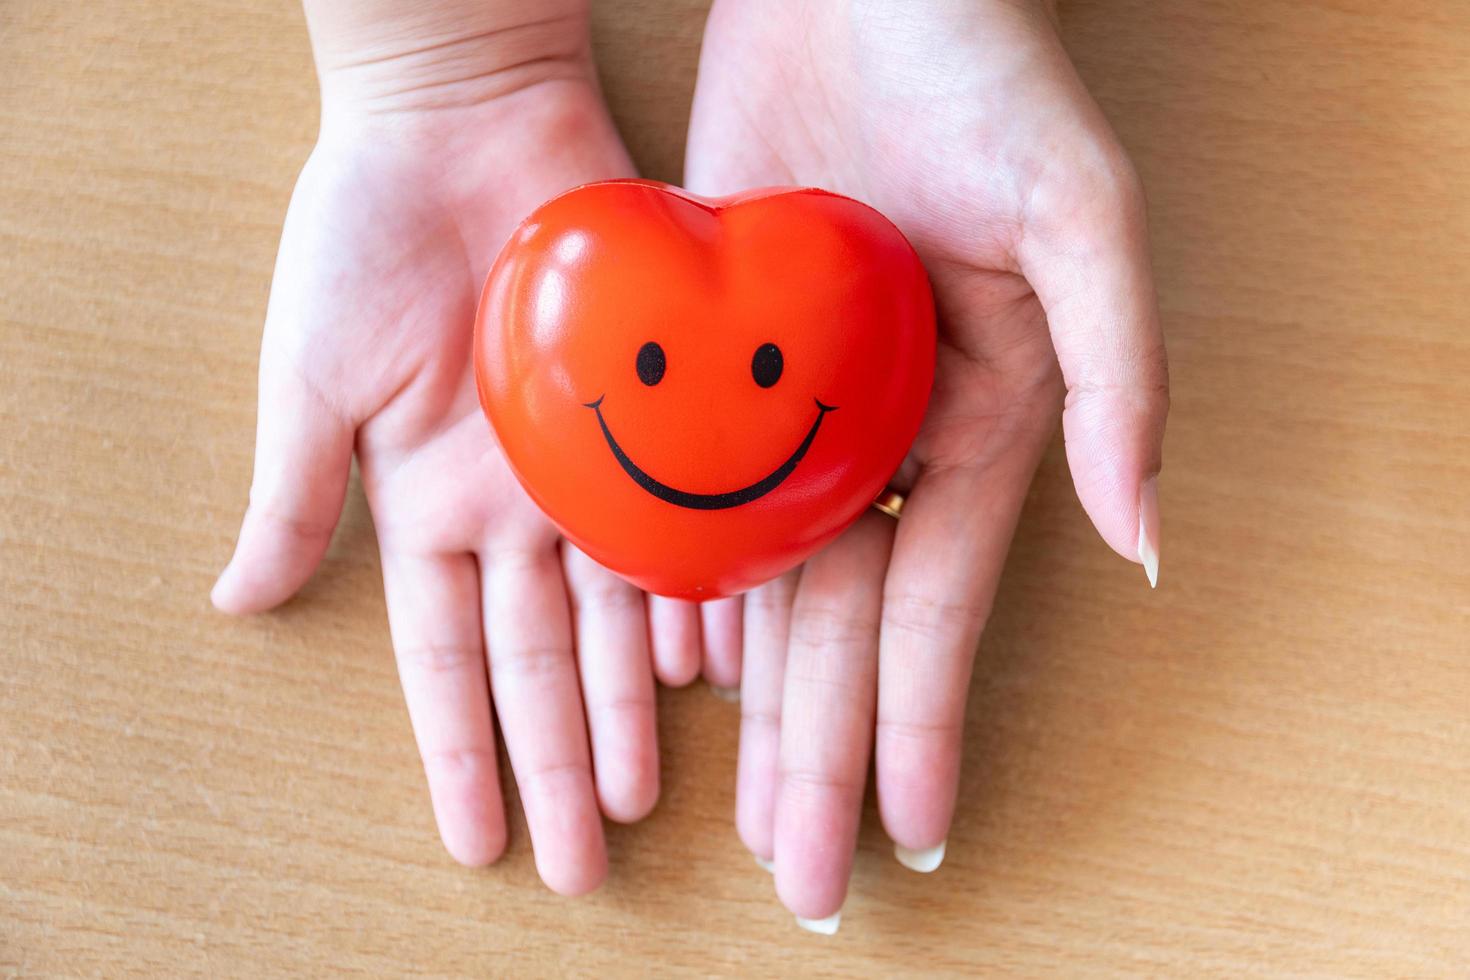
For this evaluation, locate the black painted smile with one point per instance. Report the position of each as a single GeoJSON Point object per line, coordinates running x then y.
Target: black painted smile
{"type": "Point", "coordinates": [710, 501]}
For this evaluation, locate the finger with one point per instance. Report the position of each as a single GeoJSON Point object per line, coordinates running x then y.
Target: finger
{"type": "Point", "coordinates": [827, 717]}
{"type": "Point", "coordinates": [303, 454]}
{"type": "Point", "coordinates": [720, 630]}
{"type": "Point", "coordinates": [1087, 257]}
{"type": "Point", "coordinates": [673, 630]}
{"type": "Point", "coordinates": [617, 685]}
{"type": "Point", "coordinates": [951, 544]}
{"type": "Point", "coordinates": [434, 617]}
{"type": "Point", "coordinates": [765, 635]}
{"type": "Point", "coordinates": [533, 678]}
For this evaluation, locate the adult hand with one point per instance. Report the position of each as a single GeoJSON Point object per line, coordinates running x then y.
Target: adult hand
{"type": "Point", "coordinates": [443, 124]}
{"type": "Point", "coordinates": [966, 124]}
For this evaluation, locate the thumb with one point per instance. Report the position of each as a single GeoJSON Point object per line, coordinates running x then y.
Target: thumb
{"type": "Point", "coordinates": [303, 455]}
{"type": "Point", "coordinates": [1088, 261]}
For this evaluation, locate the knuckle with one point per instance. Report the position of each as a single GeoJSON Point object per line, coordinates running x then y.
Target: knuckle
{"type": "Point", "coordinates": [821, 627]}
{"type": "Point", "coordinates": [760, 718]}
{"type": "Point", "coordinates": [1124, 186]}
{"type": "Point", "coordinates": [439, 658]}
{"type": "Point", "coordinates": [1112, 180]}
{"type": "Point", "coordinates": [818, 782]}
{"type": "Point", "coordinates": [321, 393]}
{"type": "Point", "coordinates": [931, 617]}
{"type": "Point", "coordinates": [530, 660]}
{"type": "Point", "coordinates": [775, 596]}
{"type": "Point", "coordinates": [461, 762]}
{"type": "Point", "coordinates": [944, 731]}
{"type": "Point", "coordinates": [293, 524]}
{"type": "Point", "coordinates": [621, 707]}
{"type": "Point", "coordinates": [557, 771]}
{"type": "Point", "coordinates": [1104, 192]}
{"type": "Point", "coordinates": [767, 601]}
{"type": "Point", "coordinates": [516, 561]}
{"type": "Point", "coordinates": [1094, 187]}
{"type": "Point", "coordinates": [608, 597]}
{"type": "Point", "coordinates": [1139, 377]}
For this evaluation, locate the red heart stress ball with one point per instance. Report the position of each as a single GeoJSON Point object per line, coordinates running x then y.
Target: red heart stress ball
{"type": "Point", "coordinates": [702, 392]}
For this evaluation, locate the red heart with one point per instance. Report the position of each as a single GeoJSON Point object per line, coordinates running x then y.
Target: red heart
{"type": "Point", "coordinates": [703, 392]}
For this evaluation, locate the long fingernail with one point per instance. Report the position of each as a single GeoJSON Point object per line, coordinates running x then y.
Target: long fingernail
{"type": "Point", "coordinates": [924, 859]}
{"type": "Point", "coordinates": [1148, 529]}
{"type": "Point", "coordinates": [731, 694]}
{"type": "Point", "coordinates": [827, 926]}
{"type": "Point", "coordinates": [218, 592]}
{"type": "Point", "coordinates": [768, 865]}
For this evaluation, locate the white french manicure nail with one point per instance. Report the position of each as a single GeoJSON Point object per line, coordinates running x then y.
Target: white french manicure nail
{"type": "Point", "coordinates": [731, 694]}
{"type": "Point", "coordinates": [826, 927]}
{"type": "Point", "coordinates": [768, 865]}
{"type": "Point", "coordinates": [1148, 529]}
{"type": "Point", "coordinates": [924, 859]}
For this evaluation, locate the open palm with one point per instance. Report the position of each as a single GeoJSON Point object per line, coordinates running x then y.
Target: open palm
{"type": "Point", "coordinates": [965, 124]}
{"type": "Point", "coordinates": [390, 232]}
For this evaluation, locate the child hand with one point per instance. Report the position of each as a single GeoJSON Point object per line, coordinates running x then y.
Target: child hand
{"type": "Point", "coordinates": [429, 154]}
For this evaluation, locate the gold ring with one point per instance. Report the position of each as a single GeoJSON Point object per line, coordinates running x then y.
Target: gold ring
{"type": "Point", "coordinates": [890, 502]}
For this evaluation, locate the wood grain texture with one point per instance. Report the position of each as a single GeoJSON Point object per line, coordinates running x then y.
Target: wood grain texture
{"type": "Point", "coordinates": [1261, 769]}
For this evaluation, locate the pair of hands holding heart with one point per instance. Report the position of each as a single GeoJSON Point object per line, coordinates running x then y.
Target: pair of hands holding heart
{"type": "Point", "coordinates": [966, 125]}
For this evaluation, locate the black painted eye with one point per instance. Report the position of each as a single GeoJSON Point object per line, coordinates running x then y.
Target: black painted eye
{"type": "Point", "coordinates": [651, 364]}
{"type": "Point", "coordinates": [766, 365]}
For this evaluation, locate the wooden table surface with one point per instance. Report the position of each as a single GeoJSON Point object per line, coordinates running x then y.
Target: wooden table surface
{"type": "Point", "coordinates": [1263, 768]}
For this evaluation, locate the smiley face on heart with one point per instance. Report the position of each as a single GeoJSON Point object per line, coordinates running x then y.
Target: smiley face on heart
{"type": "Point", "coordinates": [703, 392]}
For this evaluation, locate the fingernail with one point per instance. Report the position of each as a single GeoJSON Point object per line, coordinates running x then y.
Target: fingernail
{"type": "Point", "coordinates": [1148, 529]}
{"type": "Point", "coordinates": [826, 927]}
{"type": "Point", "coordinates": [217, 590]}
{"type": "Point", "coordinates": [768, 865]}
{"type": "Point", "coordinates": [731, 694]}
{"type": "Point", "coordinates": [924, 859]}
